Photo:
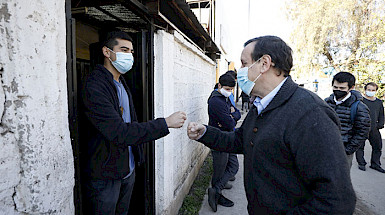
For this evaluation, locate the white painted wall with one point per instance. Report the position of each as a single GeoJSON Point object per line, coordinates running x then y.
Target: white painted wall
{"type": "Point", "coordinates": [184, 79]}
{"type": "Point", "coordinates": [36, 162]}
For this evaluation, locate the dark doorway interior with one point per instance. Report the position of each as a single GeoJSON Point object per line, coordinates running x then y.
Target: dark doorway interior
{"type": "Point", "coordinates": [84, 35]}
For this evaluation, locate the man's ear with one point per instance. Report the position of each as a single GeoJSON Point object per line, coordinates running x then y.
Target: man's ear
{"type": "Point", "coordinates": [352, 88]}
{"type": "Point", "coordinates": [266, 63]}
{"type": "Point", "coordinates": [106, 52]}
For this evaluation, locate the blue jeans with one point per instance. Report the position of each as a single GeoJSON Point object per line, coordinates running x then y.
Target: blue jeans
{"type": "Point", "coordinates": [108, 197]}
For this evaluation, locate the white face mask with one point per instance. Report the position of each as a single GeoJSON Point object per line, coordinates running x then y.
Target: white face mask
{"type": "Point", "coordinates": [225, 92]}
{"type": "Point", "coordinates": [370, 93]}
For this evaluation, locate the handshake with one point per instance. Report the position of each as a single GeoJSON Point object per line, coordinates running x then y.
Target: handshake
{"type": "Point", "coordinates": [177, 119]}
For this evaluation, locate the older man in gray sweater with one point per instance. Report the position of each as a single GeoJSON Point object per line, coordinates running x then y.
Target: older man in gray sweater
{"type": "Point", "coordinates": [294, 159]}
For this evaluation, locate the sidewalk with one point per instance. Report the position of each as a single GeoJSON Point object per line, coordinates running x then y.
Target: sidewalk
{"type": "Point", "coordinates": [370, 184]}
{"type": "Point", "coordinates": [236, 194]}
{"type": "Point", "coordinates": [369, 187]}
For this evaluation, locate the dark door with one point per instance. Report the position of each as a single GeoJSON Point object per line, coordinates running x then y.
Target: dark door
{"type": "Point", "coordinates": [83, 53]}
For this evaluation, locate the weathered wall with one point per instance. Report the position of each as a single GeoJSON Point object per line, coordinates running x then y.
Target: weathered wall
{"type": "Point", "coordinates": [36, 162]}
{"type": "Point", "coordinates": [184, 79]}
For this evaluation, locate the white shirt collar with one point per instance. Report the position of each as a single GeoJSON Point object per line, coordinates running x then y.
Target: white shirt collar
{"type": "Point", "coordinates": [267, 99]}
{"type": "Point", "coordinates": [342, 101]}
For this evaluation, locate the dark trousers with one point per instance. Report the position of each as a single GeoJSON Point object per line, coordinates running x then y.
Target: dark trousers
{"type": "Point", "coordinates": [108, 197]}
{"type": "Point", "coordinates": [376, 143]}
{"type": "Point", "coordinates": [225, 166]}
{"type": "Point", "coordinates": [246, 104]}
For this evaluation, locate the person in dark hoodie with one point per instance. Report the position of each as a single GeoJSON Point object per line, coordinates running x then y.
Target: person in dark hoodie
{"type": "Point", "coordinates": [354, 133]}
{"type": "Point", "coordinates": [222, 115]}
{"type": "Point", "coordinates": [113, 136]}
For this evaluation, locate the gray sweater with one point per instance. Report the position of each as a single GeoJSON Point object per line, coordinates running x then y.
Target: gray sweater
{"type": "Point", "coordinates": [376, 110]}
{"type": "Point", "coordinates": [294, 159]}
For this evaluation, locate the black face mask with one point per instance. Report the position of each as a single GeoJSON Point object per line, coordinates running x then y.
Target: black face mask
{"type": "Point", "coordinates": [339, 93]}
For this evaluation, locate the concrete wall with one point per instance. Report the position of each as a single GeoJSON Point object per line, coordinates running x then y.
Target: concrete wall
{"type": "Point", "coordinates": [184, 79]}
{"type": "Point", "coordinates": [36, 162]}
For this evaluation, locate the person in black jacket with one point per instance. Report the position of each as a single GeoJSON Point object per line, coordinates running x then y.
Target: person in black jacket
{"type": "Point", "coordinates": [113, 137]}
{"type": "Point", "coordinates": [354, 133]}
{"type": "Point", "coordinates": [245, 101]}
{"type": "Point", "coordinates": [294, 160]}
{"type": "Point", "coordinates": [377, 118]}
{"type": "Point", "coordinates": [224, 116]}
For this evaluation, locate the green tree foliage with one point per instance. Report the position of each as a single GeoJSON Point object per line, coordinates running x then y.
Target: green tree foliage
{"type": "Point", "coordinates": [348, 35]}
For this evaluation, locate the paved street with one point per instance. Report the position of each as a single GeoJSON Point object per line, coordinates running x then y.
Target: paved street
{"type": "Point", "coordinates": [369, 187]}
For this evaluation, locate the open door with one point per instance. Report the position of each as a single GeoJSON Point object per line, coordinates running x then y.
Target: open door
{"type": "Point", "coordinates": [87, 25]}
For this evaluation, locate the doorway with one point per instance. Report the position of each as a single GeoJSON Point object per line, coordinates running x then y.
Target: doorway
{"type": "Point", "coordinates": [87, 25]}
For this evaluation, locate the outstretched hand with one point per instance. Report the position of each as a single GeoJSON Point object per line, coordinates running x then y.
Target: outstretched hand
{"type": "Point", "coordinates": [176, 120]}
{"type": "Point", "coordinates": [195, 130]}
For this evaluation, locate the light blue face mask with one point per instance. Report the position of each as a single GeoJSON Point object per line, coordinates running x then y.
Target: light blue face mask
{"type": "Point", "coordinates": [243, 79]}
{"type": "Point", "coordinates": [123, 62]}
{"type": "Point", "coordinates": [370, 93]}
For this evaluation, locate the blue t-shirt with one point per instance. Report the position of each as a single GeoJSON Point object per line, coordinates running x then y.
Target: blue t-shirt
{"type": "Point", "coordinates": [231, 97]}
{"type": "Point", "coordinates": [124, 105]}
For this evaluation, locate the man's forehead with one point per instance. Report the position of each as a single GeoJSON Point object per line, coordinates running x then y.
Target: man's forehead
{"type": "Point", "coordinates": [336, 83]}
{"type": "Point", "coordinates": [371, 86]}
{"type": "Point", "coordinates": [125, 43]}
{"type": "Point", "coordinates": [247, 51]}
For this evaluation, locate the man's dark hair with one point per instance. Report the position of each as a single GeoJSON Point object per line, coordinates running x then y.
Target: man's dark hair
{"type": "Point", "coordinates": [276, 48]}
{"type": "Point", "coordinates": [232, 73]}
{"type": "Point", "coordinates": [343, 77]}
{"type": "Point", "coordinates": [111, 37]}
{"type": "Point", "coordinates": [216, 86]}
{"type": "Point", "coordinates": [227, 80]}
{"type": "Point", "coordinates": [371, 84]}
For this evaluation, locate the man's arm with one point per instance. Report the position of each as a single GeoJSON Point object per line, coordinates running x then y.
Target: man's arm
{"type": "Point", "coordinates": [361, 128]}
{"type": "Point", "coordinates": [321, 163]}
{"type": "Point", "coordinates": [216, 139]}
{"type": "Point", "coordinates": [236, 114]}
{"type": "Point", "coordinates": [99, 109]}
{"type": "Point", "coordinates": [381, 117]}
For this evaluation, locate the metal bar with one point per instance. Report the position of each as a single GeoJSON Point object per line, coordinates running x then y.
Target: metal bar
{"type": "Point", "coordinates": [190, 21]}
{"type": "Point", "coordinates": [144, 76]}
{"type": "Point", "coordinates": [79, 10]}
{"type": "Point", "coordinates": [72, 102]}
{"type": "Point", "coordinates": [179, 31]}
{"type": "Point", "coordinates": [138, 8]}
{"type": "Point", "coordinates": [150, 66]}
